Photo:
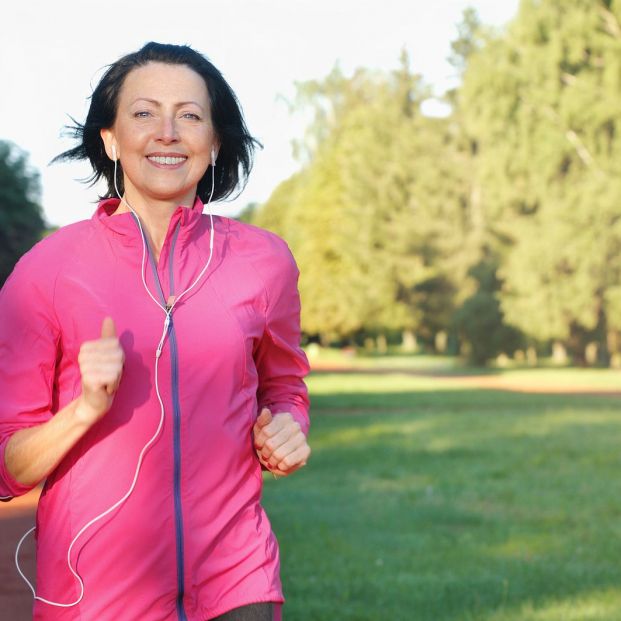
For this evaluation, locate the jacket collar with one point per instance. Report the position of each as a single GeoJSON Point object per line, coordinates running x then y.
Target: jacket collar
{"type": "Point", "coordinates": [125, 225]}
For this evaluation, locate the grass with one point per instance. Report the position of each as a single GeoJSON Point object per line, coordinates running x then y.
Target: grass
{"type": "Point", "coordinates": [425, 501]}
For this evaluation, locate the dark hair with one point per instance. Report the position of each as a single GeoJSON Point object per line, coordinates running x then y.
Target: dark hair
{"type": "Point", "coordinates": [236, 144]}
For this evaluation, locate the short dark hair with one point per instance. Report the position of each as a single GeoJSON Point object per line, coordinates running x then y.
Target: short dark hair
{"type": "Point", "coordinates": [235, 155]}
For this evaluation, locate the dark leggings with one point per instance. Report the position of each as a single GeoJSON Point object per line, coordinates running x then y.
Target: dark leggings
{"type": "Point", "coordinates": [251, 612]}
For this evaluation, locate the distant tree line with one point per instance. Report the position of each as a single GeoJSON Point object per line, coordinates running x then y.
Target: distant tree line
{"type": "Point", "coordinates": [492, 231]}
{"type": "Point", "coordinates": [21, 219]}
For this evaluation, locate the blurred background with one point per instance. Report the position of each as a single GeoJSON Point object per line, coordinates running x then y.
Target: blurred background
{"type": "Point", "coordinates": [447, 175]}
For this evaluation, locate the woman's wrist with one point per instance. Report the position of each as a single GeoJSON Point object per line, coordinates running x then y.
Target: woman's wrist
{"type": "Point", "coordinates": [85, 414]}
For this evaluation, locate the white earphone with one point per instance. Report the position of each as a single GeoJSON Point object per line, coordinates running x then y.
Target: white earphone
{"type": "Point", "coordinates": [114, 153]}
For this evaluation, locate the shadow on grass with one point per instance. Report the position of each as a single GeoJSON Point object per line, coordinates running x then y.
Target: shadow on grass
{"type": "Point", "coordinates": [457, 505]}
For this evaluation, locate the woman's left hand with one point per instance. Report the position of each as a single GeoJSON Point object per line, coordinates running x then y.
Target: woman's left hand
{"type": "Point", "coordinates": [280, 442]}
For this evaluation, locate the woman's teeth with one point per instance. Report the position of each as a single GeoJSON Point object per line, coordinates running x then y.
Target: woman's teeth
{"type": "Point", "coordinates": [169, 161]}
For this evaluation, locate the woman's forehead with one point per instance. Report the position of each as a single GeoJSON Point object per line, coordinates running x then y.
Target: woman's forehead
{"type": "Point", "coordinates": [162, 81]}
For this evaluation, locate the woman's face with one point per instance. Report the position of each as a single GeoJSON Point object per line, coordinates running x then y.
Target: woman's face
{"type": "Point", "coordinates": [162, 133]}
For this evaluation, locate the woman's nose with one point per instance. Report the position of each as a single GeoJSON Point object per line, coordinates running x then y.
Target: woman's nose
{"type": "Point", "coordinates": [167, 130]}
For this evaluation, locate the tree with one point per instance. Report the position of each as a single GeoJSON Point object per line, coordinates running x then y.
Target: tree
{"type": "Point", "coordinates": [480, 322]}
{"type": "Point", "coordinates": [247, 213]}
{"type": "Point", "coordinates": [540, 107]}
{"type": "Point", "coordinates": [21, 220]}
{"type": "Point", "coordinates": [374, 218]}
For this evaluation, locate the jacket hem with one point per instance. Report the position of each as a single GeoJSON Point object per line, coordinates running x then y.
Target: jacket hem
{"type": "Point", "coordinates": [220, 610]}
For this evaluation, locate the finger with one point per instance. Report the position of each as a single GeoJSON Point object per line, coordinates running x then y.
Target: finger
{"type": "Point", "coordinates": [294, 461]}
{"type": "Point", "coordinates": [286, 449]}
{"type": "Point", "coordinates": [113, 386]}
{"type": "Point", "coordinates": [279, 421]}
{"type": "Point", "coordinates": [112, 366]}
{"type": "Point", "coordinates": [280, 439]}
{"type": "Point", "coordinates": [108, 329]}
{"type": "Point", "coordinates": [98, 379]}
{"type": "Point", "coordinates": [264, 418]}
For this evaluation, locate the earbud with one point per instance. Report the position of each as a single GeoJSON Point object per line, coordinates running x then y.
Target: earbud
{"type": "Point", "coordinates": [214, 156]}
{"type": "Point", "coordinates": [114, 153]}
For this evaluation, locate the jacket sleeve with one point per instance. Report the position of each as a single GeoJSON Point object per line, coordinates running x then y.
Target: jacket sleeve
{"type": "Point", "coordinates": [28, 344]}
{"type": "Point", "coordinates": [281, 363]}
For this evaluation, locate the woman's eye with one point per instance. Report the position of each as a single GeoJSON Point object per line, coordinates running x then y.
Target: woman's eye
{"type": "Point", "coordinates": [142, 114]}
{"type": "Point", "coordinates": [191, 115]}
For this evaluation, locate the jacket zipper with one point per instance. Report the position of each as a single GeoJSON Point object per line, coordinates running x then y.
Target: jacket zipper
{"type": "Point", "coordinates": [176, 429]}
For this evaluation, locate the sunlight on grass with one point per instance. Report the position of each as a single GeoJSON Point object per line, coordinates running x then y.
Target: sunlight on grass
{"type": "Point", "coordinates": [363, 383]}
{"type": "Point", "coordinates": [524, 546]}
{"type": "Point", "coordinates": [427, 502]}
{"type": "Point", "coordinates": [356, 435]}
{"type": "Point", "coordinates": [602, 605]}
{"type": "Point", "coordinates": [345, 358]}
{"type": "Point", "coordinates": [587, 378]}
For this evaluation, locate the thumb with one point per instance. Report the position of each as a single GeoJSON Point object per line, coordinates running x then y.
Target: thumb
{"type": "Point", "coordinates": [108, 329]}
{"type": "Point", "coordinates": [264, 418]}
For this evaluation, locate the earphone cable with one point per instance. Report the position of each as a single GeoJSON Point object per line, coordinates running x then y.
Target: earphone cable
{"type": "Point", "coordinates": [151, 441]}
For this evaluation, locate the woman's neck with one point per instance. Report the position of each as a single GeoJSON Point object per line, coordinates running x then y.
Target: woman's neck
{"type": "Point", "coordinates": [154, 216]}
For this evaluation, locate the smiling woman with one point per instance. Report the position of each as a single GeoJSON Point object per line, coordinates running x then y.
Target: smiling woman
{"type": "Point", "coordinates": [235, 155]}
{"type": "Point", "coordinates": [151, 397]}
{"type": "Point", "coordinates": [163, 136]}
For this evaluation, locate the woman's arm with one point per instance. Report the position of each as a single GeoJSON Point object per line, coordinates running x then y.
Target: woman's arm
{"type": "Point", "coordinates": [282, 426]}
{"type": "Point", "coordinates": [32, 453]}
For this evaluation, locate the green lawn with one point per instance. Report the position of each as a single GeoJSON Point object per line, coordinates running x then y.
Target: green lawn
{"type": "Point", "coordinates": [424, 501]}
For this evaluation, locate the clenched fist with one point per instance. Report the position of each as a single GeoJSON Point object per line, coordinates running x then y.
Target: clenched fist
{"type": "Point", "coordinates": [280, 442]}
{"type": "Point", "coordinates": [101, 365]}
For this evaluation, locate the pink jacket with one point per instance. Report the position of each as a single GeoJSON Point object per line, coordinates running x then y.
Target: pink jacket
{"type": "Point", "coordinates": [192, 541]}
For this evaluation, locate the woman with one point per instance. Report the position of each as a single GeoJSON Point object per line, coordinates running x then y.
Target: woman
{"type": "Point", "coordinates": [152, 365]}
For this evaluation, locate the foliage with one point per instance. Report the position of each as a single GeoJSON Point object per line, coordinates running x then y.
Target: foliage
{"type": "Point", "coordinates": [391, 210]}
{"type": "Point", "coordinates": [480, 321]}
{"type": "Point", "coordinates": [542, 104]}
{"type": "Point", "coordinates": [21, 220]}
{"type": "Point", "coordinates": [247, 214]}
{"type": "Point", "coordinates": [372, 236]}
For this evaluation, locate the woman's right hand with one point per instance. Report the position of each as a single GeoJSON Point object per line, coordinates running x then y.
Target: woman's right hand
{"type": "Point", "coordinates": [101, 365]}
{"type": "Point", "coordinates": [33, 452]}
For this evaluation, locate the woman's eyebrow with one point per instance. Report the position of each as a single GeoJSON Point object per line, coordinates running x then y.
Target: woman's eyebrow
{"type": "Point", "coordinates": [158, 103]}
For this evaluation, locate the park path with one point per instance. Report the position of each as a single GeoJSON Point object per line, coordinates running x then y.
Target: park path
{"type": "Point", "coordinates": [18, 516]}
{"type": "Point", "coordinates": [473, 381]}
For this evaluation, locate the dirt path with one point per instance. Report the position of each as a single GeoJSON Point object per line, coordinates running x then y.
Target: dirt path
{"type": "Point", "coordinates": [16, 517]}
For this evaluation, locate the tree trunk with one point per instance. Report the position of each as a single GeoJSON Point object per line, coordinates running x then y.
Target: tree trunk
{"type": "Point", "coordinates": [381, 344]}
{"type": "Point", "coordinates": [408, 341]}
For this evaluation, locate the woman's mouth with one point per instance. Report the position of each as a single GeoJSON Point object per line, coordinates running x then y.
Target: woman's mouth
{"type": "Point", "coordinates": [167, 160]}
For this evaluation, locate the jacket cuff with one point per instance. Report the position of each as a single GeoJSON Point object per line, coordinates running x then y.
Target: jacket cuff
{"type": "Point", "coordinates": [299, 414]}
{"type": "Point", "coordinates": [9, 487]}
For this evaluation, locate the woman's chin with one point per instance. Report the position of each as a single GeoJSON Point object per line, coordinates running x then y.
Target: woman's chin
{"type": "Point", "coordinates": [183, 196]}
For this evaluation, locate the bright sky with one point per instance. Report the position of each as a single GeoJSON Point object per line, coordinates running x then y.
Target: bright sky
{"type": "Point", "coordinates": [52, 54]}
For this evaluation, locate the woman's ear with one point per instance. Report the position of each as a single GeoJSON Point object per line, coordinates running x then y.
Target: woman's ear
{"type": "Point", "coordinates": [215, 149]}
{"type": "Point", "coordinates": [109, 144]}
